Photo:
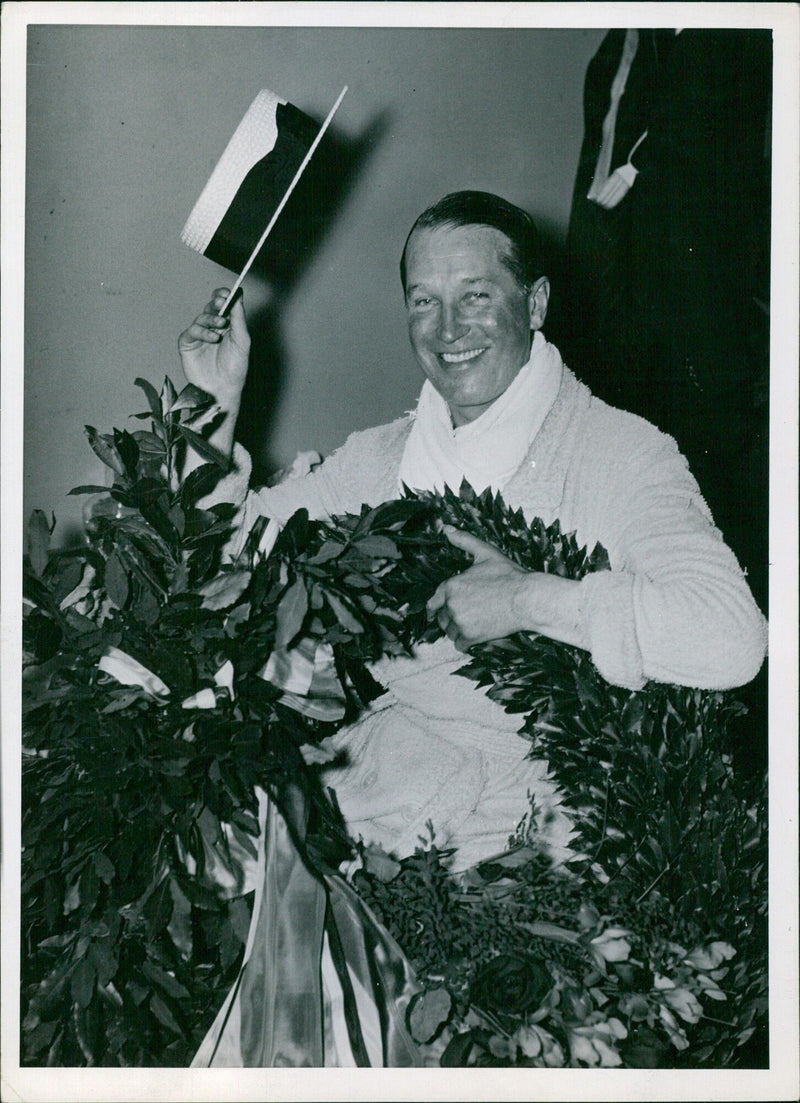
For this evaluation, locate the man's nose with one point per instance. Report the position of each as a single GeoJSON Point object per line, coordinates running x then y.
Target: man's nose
{"type": "Point", "coordinates": [451, 324]}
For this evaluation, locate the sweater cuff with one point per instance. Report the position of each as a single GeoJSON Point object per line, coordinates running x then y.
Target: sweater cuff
{"type": "Point", "coordinates": [233, 486]}
{"type": "Point", "coordinates": [610, 629]}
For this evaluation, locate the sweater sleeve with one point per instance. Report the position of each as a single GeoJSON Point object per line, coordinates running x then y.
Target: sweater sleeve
{"type": "Point", "coordinates": [363, 470]}
{"type": "Point", "coordinates": [676, 606]}
{"type": "Point", "coordinates": [315, 491]}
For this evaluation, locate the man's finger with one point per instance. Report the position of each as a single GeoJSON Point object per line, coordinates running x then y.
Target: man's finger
{"type": "Point", "coordinates": [452, 630]}
{"type": "Point", "coordinates": [210, 320]}
{"type": "Point", "coordinates": [471, 544]}
{"type": "Point", "coordinates": [436, 602]}
{"type": "Point", "coordinates": [239, 321]}
{"type": "Point", "coordinates": [198, 334]}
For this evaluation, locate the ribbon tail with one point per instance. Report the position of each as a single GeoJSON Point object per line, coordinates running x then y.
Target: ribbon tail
{"type": "Point", "coordinates": [381, 975]}
{"type": "Point", "coordinates": [279, 1013]}
{"type": "Point", "coordinates": [272, 1017]}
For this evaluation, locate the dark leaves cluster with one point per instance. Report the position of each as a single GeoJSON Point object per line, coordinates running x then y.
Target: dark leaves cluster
{"type": "Point", "coordinates": [664, 822]}
{"type": "Point", "coordinates": [132, 804]}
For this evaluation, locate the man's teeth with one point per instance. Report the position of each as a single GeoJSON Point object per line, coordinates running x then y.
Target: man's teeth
{"type": "Point", "coordinates": [460, 357]}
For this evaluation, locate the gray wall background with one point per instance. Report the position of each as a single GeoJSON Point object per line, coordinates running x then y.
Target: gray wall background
{"type": "Point", "coordinates": [126, 123]}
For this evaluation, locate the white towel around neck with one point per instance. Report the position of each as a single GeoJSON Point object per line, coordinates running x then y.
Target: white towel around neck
{"type": "Point", "coordinates": [487, 451]}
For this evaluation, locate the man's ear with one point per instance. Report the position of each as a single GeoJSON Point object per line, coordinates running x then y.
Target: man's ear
{"type": "Point", "coordinates": [538, 298]}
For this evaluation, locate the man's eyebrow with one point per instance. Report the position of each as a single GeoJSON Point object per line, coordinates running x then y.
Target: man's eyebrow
{"type": "Point", "coordinates": [466, 280]}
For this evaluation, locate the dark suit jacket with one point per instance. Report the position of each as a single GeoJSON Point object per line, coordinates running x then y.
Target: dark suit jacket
{"type": "Point", "coordinates": [670, 290]}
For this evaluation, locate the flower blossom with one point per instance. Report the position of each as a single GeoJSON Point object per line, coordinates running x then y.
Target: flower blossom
{"type": "Point", "coordinates": [681, 1000]}
{"type": "Point", "coordinates": [612, 944]}
{"type": "Point", "coordinates": [511, 983]}
{"type": "Point", "coordinates": [710, 988]}
{"type": "Point", "coordinates": [535, 1042]}
{"type": "Point", "coordinates": [596, 1044]}
{"type": "Point", "coordinates": [588, 917]}
{"type": "Point", "coordinates": [635, 1006]}
{"type": "Point", "coordinates": [685, 1003]}
{"type": "Point", "coordinates": [677, 1035]}
{"type": "Point", "coordinates": [710, 957]}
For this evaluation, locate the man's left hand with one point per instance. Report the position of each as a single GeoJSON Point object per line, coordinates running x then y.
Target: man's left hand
{"type": "Point", "coordinates": [483, 602]}
{"type": "Point", "coordinates": [495, 597]}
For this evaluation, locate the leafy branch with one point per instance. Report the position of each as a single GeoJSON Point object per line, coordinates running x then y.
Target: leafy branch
{"type": "Point", "coordinates": [139, 793]}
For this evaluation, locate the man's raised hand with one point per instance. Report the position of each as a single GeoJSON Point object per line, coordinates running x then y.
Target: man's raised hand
{"type": "Point", "coordinates": [215, 351]}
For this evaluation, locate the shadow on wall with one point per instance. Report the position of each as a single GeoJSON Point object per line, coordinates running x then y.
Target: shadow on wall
{"type": "Point", "coordinates": [309, 214]}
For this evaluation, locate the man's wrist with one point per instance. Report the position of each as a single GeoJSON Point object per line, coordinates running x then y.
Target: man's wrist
{"type": "Point", "coordinates": [226, 413]}
{"type": "Point", "coordinates": [550, 605]}
{"type": "Point", "coordinates": [228, 403]}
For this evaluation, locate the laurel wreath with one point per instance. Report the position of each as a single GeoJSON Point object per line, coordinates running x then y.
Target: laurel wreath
{"type": "Point", "coordinates": [136, 786]}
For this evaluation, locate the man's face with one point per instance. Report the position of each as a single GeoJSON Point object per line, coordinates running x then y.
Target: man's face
{"type": "Point", "coordinates": [469, 320]}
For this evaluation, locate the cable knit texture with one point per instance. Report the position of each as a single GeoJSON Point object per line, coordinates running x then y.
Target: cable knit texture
{"type": "Point", "coordinates": [675, 607]}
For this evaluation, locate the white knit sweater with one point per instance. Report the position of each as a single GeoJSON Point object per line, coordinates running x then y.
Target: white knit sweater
{"type": "Point", "coordinates": [675, 607]}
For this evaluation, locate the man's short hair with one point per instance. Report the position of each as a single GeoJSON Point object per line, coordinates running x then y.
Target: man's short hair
{"type": "Point", "coordinates": [481, 208]}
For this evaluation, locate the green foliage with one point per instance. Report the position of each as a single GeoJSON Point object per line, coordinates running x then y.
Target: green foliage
{"type": "Point", "coordinates": [139, 793]}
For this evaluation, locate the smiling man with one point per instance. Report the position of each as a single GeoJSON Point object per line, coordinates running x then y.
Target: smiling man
{"type": "Point", "coordinates": [470, 320]}
{"type": "Point", "coordinates": [499, 408]}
